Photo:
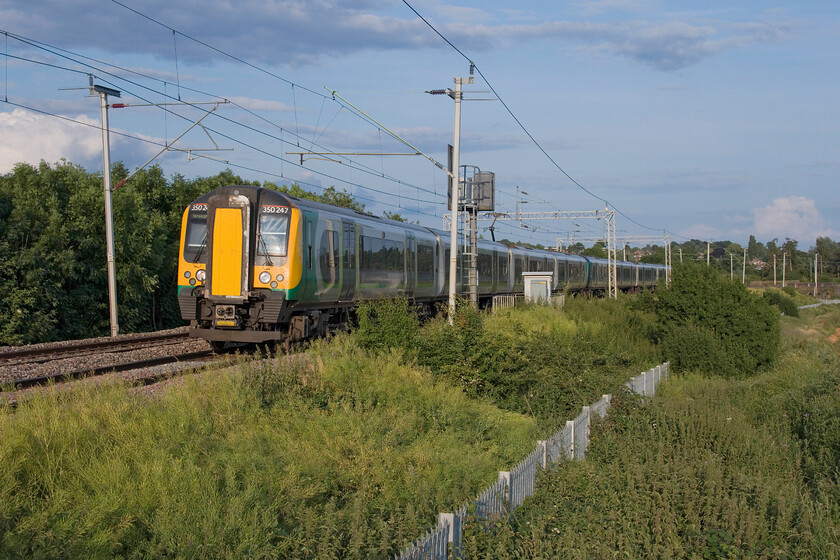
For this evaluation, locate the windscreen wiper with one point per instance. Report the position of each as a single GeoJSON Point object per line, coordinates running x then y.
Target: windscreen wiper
{"type": "Point", "coordinates": [201, 248]}
{"type": "Point", "coordinates": [265, 251]}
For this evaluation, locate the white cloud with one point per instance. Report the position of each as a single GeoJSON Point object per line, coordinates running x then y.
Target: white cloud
{"type": "Point", "coordinates": [298, 32]}
{"type": "Point", "coordinates": [29, 137]}
{"type": "Point", "coordinates": [796, 217]}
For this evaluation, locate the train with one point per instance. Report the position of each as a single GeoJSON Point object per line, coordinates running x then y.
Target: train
{"type": "Point", "coordinates": [259, 266]}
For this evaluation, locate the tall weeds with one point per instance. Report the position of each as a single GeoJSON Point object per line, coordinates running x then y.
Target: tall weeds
{"type": "Point", "coordinates": [710, 468]}
{"type": "Point", "coordinates": [333, 454]}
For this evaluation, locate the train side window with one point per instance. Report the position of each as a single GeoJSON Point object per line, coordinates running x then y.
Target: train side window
{"type": "Point", "coordinates": [328, 256]}
{"type": "Point", "coordinates": [503, 266]}
{"type": "Point", "coordinates": [484, 265]}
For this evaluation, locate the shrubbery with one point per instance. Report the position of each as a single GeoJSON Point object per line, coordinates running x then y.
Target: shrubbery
{"type": "Point", "coordinates": [387, 323]}
{"type": "Point", "coordinates": [536, 360]}
{"type": "Point", "coordinates": [709, 323]}
{"type": "Point", "coordinates": [785, 304]}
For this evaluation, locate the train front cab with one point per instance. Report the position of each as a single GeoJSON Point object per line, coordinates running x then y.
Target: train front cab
{"type": "Point", "coordinates": [236, 265]}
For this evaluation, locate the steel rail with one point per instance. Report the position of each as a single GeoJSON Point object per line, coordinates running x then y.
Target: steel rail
{"type": "Point", "coordinates": [70, 349]}
{"type": "Point", "coordinates": [25, 383]}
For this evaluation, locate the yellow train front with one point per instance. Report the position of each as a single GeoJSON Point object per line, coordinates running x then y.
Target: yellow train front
{"type": "Point", "coordinates": [258, 266]}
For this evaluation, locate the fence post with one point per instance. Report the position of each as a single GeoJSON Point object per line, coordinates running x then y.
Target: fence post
{"type": "Point", "coordinates": [505, 476]}
{"type": "Point", "coordinates": [544, 455]}
{"type": "Point", "coordinates": [454, 521]}
{"type": "Point", "coordinates": [569, 450]}
{"type": "Point", "coordinates": [581, 444]}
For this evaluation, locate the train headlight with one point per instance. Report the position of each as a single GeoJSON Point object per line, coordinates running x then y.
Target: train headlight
{"type": "Point", "coordinates": [265, 277]}
{"type": "Point", "coordinates": [192, 281]}
{"type": "Point", "coordinates": [279, 277]}
{"type": "Point", "coordinates": [201, 275]}
{"type": "Point", "coordinates": [187, 274]}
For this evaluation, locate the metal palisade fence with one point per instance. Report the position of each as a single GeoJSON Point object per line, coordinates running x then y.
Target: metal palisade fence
{"type": "Point", "coordinates": [512, 487]}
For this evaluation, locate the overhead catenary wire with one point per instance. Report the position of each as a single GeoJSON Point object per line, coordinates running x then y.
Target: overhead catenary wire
{"type": "Point", "coordinates": [521, 125]}
{"type": "Point", "coordinates": [50, 49]}
{"type": "Point", "coordinates": [245, 144]}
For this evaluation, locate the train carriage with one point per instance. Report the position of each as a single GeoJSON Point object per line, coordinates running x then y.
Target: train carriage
{"type": "Point", "coordinates": [257, 265]}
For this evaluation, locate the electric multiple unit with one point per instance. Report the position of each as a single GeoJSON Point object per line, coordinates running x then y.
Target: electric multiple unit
{"type": "Point", "coordinates": [256, 265]}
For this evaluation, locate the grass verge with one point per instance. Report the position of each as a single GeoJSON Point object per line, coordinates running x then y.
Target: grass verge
{"type": "Point", "coordinates": [333, 454]}
{"type": "Point", "coordinates": [711, 468]}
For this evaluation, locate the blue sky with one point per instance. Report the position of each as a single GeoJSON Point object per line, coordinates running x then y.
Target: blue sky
{"type": "Point", "coordinates": [709, 120]}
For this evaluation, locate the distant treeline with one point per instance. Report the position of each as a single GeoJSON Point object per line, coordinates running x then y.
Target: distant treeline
{"type": "Point", "coordinates": [53, 277]}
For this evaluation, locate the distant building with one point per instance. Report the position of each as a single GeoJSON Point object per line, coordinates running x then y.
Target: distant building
{"type": "Point", "coordinates": [758, 264]}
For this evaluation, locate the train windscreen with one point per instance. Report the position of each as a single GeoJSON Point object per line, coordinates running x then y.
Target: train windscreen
{"type": "Point", "coordinates": [195, 239]}
{"type": "Point", "coordinates": [273, 232]}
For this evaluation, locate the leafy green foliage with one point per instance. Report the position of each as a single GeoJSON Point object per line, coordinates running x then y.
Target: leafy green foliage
{"type": "Point", "coordinates": [711, 468]}
{"type": "Point", "coordinates": [387, 323]}
{"type": "Point", "coordinates": [709, 323]}
{"type": "Point", "coordinates": [785, 304]}
{"type": "Point", "coordinates": [534, 360]}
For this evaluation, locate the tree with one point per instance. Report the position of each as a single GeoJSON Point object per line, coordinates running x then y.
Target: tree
{"type": "Point", "coordinates": [756, 250]}
{"type": "Point", "coordinates": [393, 216]}
{"type": "Point", "coordinates": [597, 250]}
{"type": "Point", "coordinates": [708, 323]}
{"type": "Point", "coordinates": [829, 255]}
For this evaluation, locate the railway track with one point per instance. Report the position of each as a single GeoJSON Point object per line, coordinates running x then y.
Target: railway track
{"type": "Point", "coordinates": [28, 382]}
{"type": "Point", "coordinates": [44, 364]}
{"type": "Point", "coordinates": [51, 352]}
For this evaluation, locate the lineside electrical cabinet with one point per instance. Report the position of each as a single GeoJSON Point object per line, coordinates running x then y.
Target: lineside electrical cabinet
{"type": "Point", "coordinates": [537, 287]}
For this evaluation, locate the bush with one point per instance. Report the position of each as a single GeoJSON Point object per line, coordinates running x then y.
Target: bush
{"type": "Point", "coordinates": [790, 290]}
{"type": "Point", "coordinates": [539, 360]}
{"type": "Point", "coordinates": [785, 304]}
{"type": "Point", "coordinates": [709, 323]}
{"type": "Point", "coordinates": [387, 323]}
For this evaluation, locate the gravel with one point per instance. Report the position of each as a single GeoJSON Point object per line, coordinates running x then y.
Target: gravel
{"type": "Point", "coordinates": [24, 370]}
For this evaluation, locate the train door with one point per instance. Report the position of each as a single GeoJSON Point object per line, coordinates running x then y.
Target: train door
{"type": "Point", "coordinates": [228, 268]}
{"type": "Point", "coordinates": [348, 261]}
{"type": "Point", "coordinates": [410, 267]}
{"type": "Point", "coordinates": [309, 255]}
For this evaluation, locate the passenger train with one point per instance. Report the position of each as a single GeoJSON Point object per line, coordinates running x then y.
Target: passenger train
{"type": "Point", "coordinates": [257, 265]}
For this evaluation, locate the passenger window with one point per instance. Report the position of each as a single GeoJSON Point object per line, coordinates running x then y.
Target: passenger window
{"type": "Point", "coordinates": [328, 256]}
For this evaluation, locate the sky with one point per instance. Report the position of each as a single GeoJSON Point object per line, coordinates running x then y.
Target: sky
{"type": "Point", "coordinates": [713, 120]}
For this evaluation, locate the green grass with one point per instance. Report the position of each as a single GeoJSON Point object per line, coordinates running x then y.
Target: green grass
{"type": "Point", "coordinates": [711, 468]}
{"type": "Point", "coordinates": [335, 454]}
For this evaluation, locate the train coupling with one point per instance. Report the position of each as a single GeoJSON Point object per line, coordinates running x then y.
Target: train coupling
{"type": "Point", "coordinates": [225, 316]}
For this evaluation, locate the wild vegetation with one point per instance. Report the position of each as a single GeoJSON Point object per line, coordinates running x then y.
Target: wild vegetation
{"type": "Point", "coordinates": [713, 467]}
{"type": "Point", "coordinates": [332, 454]}
{"type": "Point", "coordinates": [348, 451]}
{"type": "Point", "coordinates": [537, 361]}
